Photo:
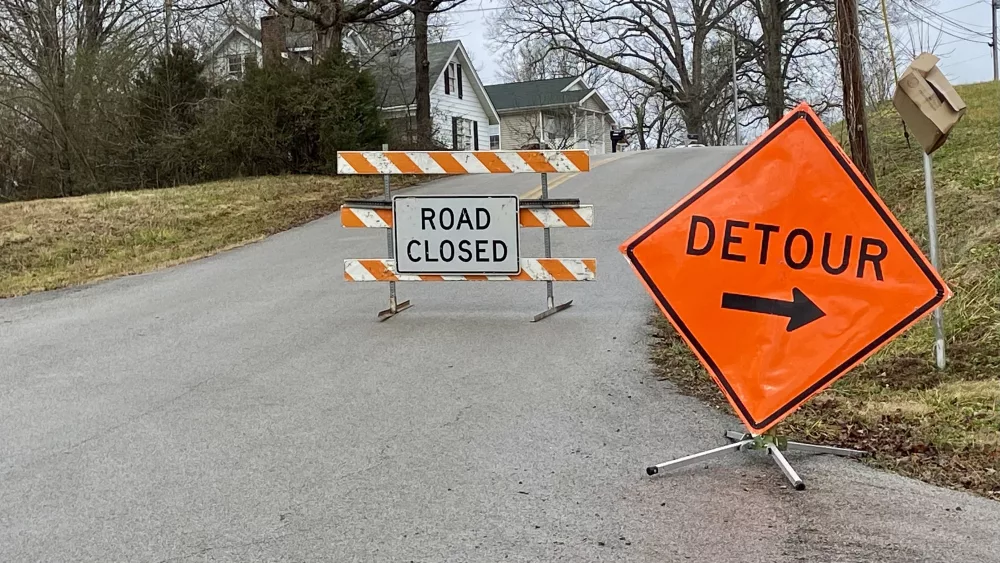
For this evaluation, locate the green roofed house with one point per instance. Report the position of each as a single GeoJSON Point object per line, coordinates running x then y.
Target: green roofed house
{"type": "Point", "coordinates": [557, 113]}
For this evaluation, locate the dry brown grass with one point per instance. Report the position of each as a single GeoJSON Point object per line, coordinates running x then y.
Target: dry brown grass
{"type": "Point", "coordinates": [54, 243]}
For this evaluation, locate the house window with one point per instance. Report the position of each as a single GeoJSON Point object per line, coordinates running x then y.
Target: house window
{"type": "Point", "coordinates": [465, 142]}
{"type": "Point", "coordinates": [563, 124]}
{"type": "Point", "coordinates": [452, 81]}
{"type": "Point", "coordinates": [494, 142]}
{"type": "Point", "coordinates": [236, 65]}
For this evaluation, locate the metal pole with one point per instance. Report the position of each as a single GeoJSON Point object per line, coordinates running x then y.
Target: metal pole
{"type": "Point", "coordinates": [736, 98]}
{"type": "Point", "coordinates": [388, 236]}
{"type": "Point", "coordinates": [939, 354]}
{"type": "Point", "coordinates": [550, 300]}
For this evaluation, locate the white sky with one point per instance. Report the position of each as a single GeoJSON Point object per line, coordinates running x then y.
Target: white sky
{"type": "Point", "coordinates": [964, 53]}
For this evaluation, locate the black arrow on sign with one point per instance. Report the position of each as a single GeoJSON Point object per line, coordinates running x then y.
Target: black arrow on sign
{"type": "Point", "coordinates": [800, 310]}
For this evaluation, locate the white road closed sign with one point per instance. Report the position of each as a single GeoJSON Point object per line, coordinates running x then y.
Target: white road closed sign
{"type": "Point", "coordinates": [456, 234]}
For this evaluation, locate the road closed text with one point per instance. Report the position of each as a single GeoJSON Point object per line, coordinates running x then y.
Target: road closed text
{"type": "Point", "coordinates": [456, 234]}
{"type": "Point", "coordinates": [464, 247]}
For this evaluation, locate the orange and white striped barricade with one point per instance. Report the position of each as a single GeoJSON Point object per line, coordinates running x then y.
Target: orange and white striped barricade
{"type": "Point", "coordinates": [503, 216]}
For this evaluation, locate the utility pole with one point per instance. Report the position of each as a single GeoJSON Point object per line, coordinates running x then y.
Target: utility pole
{"type": "Point", "coordinates": [736, 97]}
{"type": "Point", "coordinates": [849, 53]}
{"type": "Point", "coordinates": [993, 44]}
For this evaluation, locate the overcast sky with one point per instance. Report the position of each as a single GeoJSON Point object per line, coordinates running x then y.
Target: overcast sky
{"type": "Point", "coordinates": [965, 55]}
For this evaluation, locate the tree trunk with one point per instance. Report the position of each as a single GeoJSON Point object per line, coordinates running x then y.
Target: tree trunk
{"type": "Point", "coordinates": [640, 126]}
{"type": "Point", "coordinates": [694, 118]}
{"type": "Point", "coordinates": [330, 32]}
{"type": "Point", "coordinates": [53, 53]}
{"type": "Point", "coordinates": [92, 25]}
{"type": "Point", "coordinates": [422, 90]}
{"type": "Point", "coordinates": [774, 82]}
{"type": "Point", "coordinates": [330, 40]}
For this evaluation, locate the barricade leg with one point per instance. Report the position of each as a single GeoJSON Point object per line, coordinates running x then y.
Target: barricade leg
{"type": "Point", "coordinates": [394, 307]}
{"type": "Point", "coordinates": [550, 302]}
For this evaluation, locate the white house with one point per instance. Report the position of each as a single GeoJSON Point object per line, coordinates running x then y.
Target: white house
{"type": "Point", "coordinates": [227, 59]}
{"type": "Point", "coordinates": [461, 111]}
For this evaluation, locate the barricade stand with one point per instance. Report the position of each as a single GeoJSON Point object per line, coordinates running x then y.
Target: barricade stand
{"type": "Point", "coordinates": [549, 298]}
{"type": "Point", "coordinates": [393, 306]}
{"type": "Point", "coordinates": [543, 212]}
{"type": "Point", "coordinates": [771, 443]}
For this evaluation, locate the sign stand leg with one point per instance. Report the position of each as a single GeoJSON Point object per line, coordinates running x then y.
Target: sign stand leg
{"type": "Point", "coordinates": [550, 301]}
{"type": "Point", "coordinates": [785, 467]}
{"type": "Point", "coordinates": [393, 306]}
{"type": "Point", "coordinates": [773, 445]}
{"type": "Point", "coordinates": [939, 355]}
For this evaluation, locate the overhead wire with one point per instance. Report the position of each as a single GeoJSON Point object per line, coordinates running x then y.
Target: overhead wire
{"type": "Point", "coordinates": [969, 5]}
{"type": "Point", "coordinates": [946, 31]}
{"type": "Point", "coordinates": [946, 20]}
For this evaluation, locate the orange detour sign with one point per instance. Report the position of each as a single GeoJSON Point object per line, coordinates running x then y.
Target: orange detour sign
{"type": "Point", "coordinates": [784, 270]}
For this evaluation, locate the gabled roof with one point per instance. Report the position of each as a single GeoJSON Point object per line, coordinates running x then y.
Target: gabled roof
{"type": "Point", "coordinates": [396, 76]}
{"type": "Point", "coordinates": [537, 93]}
{"type": "Point", "coordinates": [249, 32]}
{"type": "Point", "coordinates": [253, 35]}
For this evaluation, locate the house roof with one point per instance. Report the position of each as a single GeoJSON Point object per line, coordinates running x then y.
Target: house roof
{"type": "Point", "coordinates": [249, 32]}
{"type": "Point", "coordinates": [537, 93]}
{"type": "Point", "coordinates": [396, 75]}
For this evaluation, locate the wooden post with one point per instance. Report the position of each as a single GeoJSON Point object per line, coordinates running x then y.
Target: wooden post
{"type": "Point", "coordinates": [849, 53]}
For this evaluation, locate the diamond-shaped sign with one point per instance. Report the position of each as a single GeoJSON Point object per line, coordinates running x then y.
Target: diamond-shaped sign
{"type": "Point", "coordinates": [784, 270]}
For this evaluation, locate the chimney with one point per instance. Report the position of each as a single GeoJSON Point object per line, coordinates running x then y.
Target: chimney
{"type": "Point", "coordinates": [272, 39]}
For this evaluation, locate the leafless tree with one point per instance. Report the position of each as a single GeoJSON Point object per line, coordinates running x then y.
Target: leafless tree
{"type": "Point", "coordinates": [332, 17]}
{"type": "Point", "coordinates": [397, 34]}
{"type": "Point", "coordinates": [651, 119]}
{"type": "Point", "coordinates": [64, 65]}
{"type": "Point", "coordinates": [659, 43]}
{"type": "Point", "coordinates": [535, 60]}
{"type": "Point", "coordinates": [789, 39]}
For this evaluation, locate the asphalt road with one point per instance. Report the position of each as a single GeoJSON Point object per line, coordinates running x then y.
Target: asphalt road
{"type": "Point", "coordinates": [247, 407]}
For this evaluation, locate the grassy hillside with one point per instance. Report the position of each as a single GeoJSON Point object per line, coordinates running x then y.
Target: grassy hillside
{"type": "Point", "coordinates": [53, 243]}
{"type": "Point", "coordinates": [941, 426]}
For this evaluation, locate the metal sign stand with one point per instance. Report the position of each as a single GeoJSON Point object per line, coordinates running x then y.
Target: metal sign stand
{"type": "Point", "coordinates": [550, 299]}
{"type": "Point", "coordinates": [772, 444]}
{"type": "Point", "coordinates": [939, 355]}
{"type": "Point", "coordinates": [393, 306]}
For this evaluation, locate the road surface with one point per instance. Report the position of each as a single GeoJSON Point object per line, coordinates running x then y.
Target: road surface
{"type": "Point", "coordinates": [247, 407]}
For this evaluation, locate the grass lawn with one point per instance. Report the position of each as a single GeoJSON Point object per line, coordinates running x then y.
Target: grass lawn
{"type": "Point", "coordinates": [53, 243]}
{"type": "Point", "coordinates": [939, 426]}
